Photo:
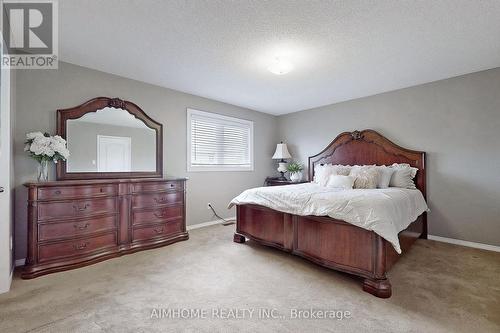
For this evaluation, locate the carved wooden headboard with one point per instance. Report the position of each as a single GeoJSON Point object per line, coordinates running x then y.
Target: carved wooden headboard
{"type": "Point", "coordinates": [369, 147]}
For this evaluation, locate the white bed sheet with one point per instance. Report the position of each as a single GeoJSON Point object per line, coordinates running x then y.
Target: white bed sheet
{"type": "Point", "coordinates": [385, 211]}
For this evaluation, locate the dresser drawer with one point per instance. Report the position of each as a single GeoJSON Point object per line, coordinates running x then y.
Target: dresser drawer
{"type": "Point", "coordinates": [81, 191]}
{"type": "Point", "coordinates": [61, 230]}
{"type": "Point", "coordinates": [154, 199]}
{"type": "Point", "coordinates": [158, 186]}
{"type": "Point", "coordinates": [75, 208]}
{"type": "Point", "coordinates": [76, 247]}
{"type": "Point", "coordinates": [159, 230]}
{"type": "Point", "coordinates": [157, 215]}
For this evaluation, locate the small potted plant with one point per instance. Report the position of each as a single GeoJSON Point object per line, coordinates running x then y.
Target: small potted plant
{"type": "Point", "coordinates": [295, 170]}
{"type": "Point", "coordinates": [44, 148]}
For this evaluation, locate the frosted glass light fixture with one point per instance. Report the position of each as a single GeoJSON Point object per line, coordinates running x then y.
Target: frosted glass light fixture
{"type": "Point", "coordinates": [280, 66]}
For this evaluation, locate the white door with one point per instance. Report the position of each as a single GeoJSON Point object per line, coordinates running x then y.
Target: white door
{"type": "Point", "coordinates": [113, 153]}
{"type": "Point", "coordinates": [5, 182]}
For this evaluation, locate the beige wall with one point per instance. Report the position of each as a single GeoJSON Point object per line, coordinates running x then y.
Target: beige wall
{"type": "Point", "coordinates": [456, 121]}
{"type": "Point", "coordinates": [41, 92]}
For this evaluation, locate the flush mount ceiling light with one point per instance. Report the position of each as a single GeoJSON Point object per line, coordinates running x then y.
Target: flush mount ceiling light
{"type": "Point", "coordinates": [280, 66]}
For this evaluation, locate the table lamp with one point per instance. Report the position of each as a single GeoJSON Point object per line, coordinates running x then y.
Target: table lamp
{"type": "Point", "coordinates": [281, 154]}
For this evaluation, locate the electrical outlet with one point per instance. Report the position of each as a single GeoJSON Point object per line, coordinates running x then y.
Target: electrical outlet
{"type": "Point", "coordinates": [209, 206]}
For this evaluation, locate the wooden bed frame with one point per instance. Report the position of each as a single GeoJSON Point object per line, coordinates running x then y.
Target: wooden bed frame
{"type": "Point", "coordinates": [333, 243]}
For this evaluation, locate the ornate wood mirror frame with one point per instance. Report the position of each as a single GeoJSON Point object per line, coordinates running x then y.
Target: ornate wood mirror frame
{"type": "Point", "coordinates": [63, 115]}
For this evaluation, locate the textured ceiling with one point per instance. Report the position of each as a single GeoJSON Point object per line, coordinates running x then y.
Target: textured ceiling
{"type": "Point", "coordinates": [341, 50]}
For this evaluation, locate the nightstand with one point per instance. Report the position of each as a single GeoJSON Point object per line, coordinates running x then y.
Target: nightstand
{"type": "Point", "coordinates": [274, 181]}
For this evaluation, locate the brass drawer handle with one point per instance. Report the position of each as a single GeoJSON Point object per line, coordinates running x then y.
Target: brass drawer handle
{"type": "Point", "coordinates": [81, 246]}
{"type": "Point", "coordinates": [81, 209]}
{"type": "Point", "coordinates": [159, 215]}
{"type": "Point", "coordinates": [159, 231]}
{"type": "Point", "coordinates": [161, 200]}
{"type": "Point", "coordinates": [81, 227]}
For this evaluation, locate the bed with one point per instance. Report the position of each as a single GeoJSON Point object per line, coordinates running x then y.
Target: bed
{"type": "Point", "coordinates": [334, 243]}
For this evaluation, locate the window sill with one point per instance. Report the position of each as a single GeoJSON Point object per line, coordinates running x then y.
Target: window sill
{"type": "Point", "coordinates": [217, 168]}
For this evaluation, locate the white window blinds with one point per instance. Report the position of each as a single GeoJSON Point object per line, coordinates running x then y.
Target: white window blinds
{"type": "Point", "coordinates": [219, 143]}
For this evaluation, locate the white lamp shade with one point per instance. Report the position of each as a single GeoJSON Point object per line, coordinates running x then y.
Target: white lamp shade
{"type": "Point", "coordinates": [281, 152]}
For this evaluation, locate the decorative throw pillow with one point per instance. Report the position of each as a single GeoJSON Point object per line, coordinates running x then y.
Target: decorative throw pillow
{"type": "Point", "coordinates": [403, 176]}
{"type": "Point", "coordinates": [342, 170]}
{"type": "Point", "coordinates": [384, 176]}
{"type": "Point", "coordinates": [365, 177]}
{"type": "Point", "coordinates": [339, 181]}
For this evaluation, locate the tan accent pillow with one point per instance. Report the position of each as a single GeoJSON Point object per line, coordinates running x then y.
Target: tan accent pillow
{"type": "Point", "coordinates": [365, 177]}
{"type": "Point", "coordinates": [342, 170]}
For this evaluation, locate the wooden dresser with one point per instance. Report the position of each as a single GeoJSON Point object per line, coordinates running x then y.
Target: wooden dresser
{"type": "Point", "coordinates": [77, 223]}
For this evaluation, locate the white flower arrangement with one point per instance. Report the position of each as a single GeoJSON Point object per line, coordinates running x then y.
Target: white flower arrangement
{"type": "Point", "coordinates": [44, 147]}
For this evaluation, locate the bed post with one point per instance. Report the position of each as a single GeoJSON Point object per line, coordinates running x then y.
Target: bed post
{"type": "Point", "coordinates": [381, 288]}
{"type": "Point", "coordinates": [378, 285]}
{"type": "Point", "coordinates": [237, 238]}
{"type": "Point", "coordinates": [425, 233]}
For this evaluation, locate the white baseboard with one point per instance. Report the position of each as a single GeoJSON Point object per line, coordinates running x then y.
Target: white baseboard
{"type": "Point", "coordinates": [465, 243]}
{"type": "Point", "coordinates": [209, 223]}
{"type": "Point", "coordinates": [20, 262]}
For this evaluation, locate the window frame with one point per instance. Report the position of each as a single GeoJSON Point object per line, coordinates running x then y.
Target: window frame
{"type": "Point", "coordinates": [218, 168]}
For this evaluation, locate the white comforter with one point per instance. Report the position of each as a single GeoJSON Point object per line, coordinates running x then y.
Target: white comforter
{"type": "Point", "coordinates": [385, 211]}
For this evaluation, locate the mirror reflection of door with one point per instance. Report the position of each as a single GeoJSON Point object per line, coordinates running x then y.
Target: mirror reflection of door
{"type": "Point", "coordinates": [82, 134]}
{"type": "Point", "coordinates": [114, 153]}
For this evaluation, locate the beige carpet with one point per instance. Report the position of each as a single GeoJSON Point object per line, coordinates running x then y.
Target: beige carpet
{"type": "Point", "coordinates": [436, 288]}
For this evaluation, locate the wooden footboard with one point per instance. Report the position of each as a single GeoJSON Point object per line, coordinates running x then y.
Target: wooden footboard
{"type": "Point", "coordinates": [328, 242]}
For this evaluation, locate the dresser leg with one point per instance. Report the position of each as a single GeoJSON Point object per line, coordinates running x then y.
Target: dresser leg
{"type": "Point", "coordinates": [239, 238]}
{"type": "Point", "coordinates": [380, 288]}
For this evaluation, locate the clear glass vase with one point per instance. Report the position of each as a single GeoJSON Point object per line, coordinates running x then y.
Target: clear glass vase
{"type": "Point", "coordinates": [43, 171]}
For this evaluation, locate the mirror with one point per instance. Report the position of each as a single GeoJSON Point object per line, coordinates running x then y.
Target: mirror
{"type": "Point", "coordinates": [109, 138]}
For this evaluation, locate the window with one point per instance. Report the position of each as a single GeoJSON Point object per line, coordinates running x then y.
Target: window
{"type": "Point", "coordinates": [219, 143]}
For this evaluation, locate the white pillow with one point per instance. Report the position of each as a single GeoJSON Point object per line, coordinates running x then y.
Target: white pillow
{"type": "Point", "coordinates": [384, 176]}
{"type": "Point", "coordinates": [323, 172]}
{"type": "Point", "coordinates": [403, 176]}
{"type": "Point", "coordinates": [358, 168]}
{"type": "Point", "coordinates": [339, 181]}
{"type": "Point", "coordinates": [405, 165]}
